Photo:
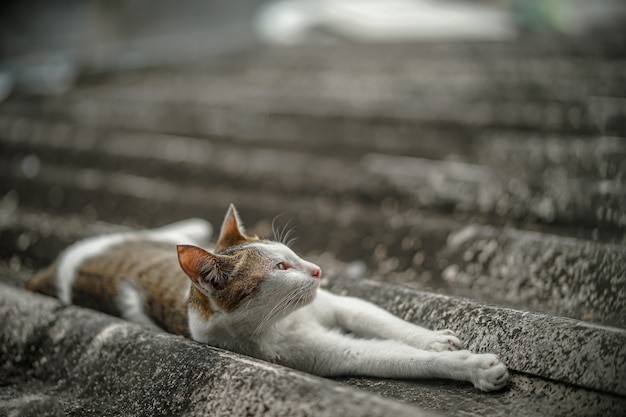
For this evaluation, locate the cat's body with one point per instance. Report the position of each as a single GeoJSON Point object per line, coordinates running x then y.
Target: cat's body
{"type": "Point", "coordinates": [254, 297]}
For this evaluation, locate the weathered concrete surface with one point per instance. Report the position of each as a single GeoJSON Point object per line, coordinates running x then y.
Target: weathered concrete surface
{"type": "Point", "coordinates": [525, 396]}
{"type": "Point", "coordinates": [562, 275]}
{"type": "Point", "coordinates": [293, 168]}
{"type": "Point", "coordinates": [73, 361]}
{"type": "Point", "coordinates": [37, 237]}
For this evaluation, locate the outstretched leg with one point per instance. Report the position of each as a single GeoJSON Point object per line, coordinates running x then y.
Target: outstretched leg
{"type": "Point", "coordinates": [333, 354]}
{"type": "Point", "coordinates": [367, 320]}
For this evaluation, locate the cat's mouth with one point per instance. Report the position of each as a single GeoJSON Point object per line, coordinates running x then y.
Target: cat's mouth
{"type": "Point", "coordinates": [313, 292]}
{"type": "Point", "coordinates": [298, 298]}
{"type": "Point", "coordinates": [306, 294]}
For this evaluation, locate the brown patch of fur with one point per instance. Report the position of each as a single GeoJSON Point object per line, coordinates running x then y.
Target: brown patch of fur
{"type": "Point", "coordinates": [44, 281]}
{"type": "Point", "coordinates": [97, 286]}
{"type": "Point", "coordinates": [230, 276]}
{"type": "Point", "coordinates": [151, 268]}
{"type": "Point", "coordinates": [200, 302]}
{"type": "Point", "coordinates": [248, 273]}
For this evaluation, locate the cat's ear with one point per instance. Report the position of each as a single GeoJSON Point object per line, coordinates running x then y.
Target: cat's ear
{"type": "Point", "coordinates": [232, 232]}
{"type": "Point", "coordinates": [206, 270]}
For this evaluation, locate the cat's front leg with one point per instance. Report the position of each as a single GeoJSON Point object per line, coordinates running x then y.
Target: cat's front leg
{"type": "Point", "coordinates": [365, 319]}
{"type": "Point", "coordinates": [329, 353]}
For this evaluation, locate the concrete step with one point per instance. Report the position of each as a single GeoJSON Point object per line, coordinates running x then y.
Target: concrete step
{"type": "Point", "coordinates": [535, 157]}
{"type": "Point", "coordinates": [549, 52]}
{"type": "Point", "coordinates": [225, 163]}
{"type": "Point", "coordinates": [520, 83]}
{"type": "Point", "coordinates": [534, 271]}
{"type": "Point", "coordinates": [544, 157]}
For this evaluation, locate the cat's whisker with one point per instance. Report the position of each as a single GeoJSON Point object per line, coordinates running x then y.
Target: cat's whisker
{"type": "Point", "coordinates": [290, 241]}
{"type": "Point", "coordinates": [276, 229]}
{"type": "Point", "coordinates": [278, 308]}
{"type": "Point", "coordinates": [282, 234]}
{"type": "Point", "coordinates": [286, 233]}
{"type": "Point", "coordinates": [295, 297]}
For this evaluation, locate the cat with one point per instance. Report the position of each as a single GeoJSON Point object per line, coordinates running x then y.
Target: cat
{"type": "Point", "coordinates": [255, 297]}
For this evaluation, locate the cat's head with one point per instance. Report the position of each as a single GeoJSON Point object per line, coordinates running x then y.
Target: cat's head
{"type": "Point", "coordinates": [258, 279]}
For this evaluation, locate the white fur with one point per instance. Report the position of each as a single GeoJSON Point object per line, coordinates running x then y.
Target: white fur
{"type": "Point", "coordinates": [72, 258]}
{"type": "Point", "coordinates": [292, 322]}
{"type": "Point", "coordinates": [378, 344]}
{"type": "Point", "coordinates": [131, 305]}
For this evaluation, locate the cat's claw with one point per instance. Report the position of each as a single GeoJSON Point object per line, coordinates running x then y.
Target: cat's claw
{"type": "Point", "coordinates": [444, 340]}
{"type": "Point", "coordinates": [489, 374]}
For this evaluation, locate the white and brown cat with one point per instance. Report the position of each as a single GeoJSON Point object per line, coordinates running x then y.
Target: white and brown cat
{"type": "Point", "coordinates": [255, 297]}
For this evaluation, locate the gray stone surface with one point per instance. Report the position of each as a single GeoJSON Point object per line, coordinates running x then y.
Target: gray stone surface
{"type": "Point", "coordinates": [525, 396]}
{"type": "Point", "coordinates": [564, 276]}
{"type": "Point", "coordinates": [73, 361]}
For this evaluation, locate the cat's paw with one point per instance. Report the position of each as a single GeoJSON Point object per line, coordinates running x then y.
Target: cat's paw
{"type": "Point", "coordinates": [442, 340]}
{"type": "Point", "coordinates": [488, 372]}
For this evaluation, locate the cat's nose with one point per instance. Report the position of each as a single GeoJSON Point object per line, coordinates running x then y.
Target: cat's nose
{"type": "Point", "coordinates": [316, 272]}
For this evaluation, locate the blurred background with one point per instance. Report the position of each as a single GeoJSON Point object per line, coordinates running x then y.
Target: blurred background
{"type": "Point", "coordinates": [471, 148]}
{"type": "Point", "coordinates": [46, 45]}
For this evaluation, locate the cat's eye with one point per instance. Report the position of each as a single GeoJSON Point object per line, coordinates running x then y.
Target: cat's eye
{"type": "Point", "coordinates": [281, 266]}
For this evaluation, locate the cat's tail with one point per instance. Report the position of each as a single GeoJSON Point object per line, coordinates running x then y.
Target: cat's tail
{"type": "Point", "coordinates": [44, 281]}
{"type": "Point", "coordinates": [196, 231]}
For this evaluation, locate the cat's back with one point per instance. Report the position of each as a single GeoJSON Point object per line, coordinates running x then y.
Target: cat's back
{"type": "Point", "coordinates": [132, 277]}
